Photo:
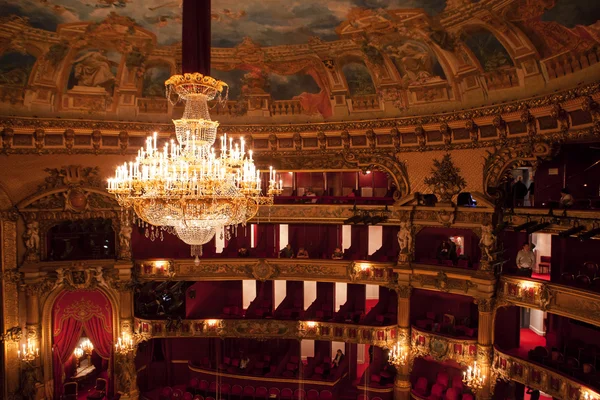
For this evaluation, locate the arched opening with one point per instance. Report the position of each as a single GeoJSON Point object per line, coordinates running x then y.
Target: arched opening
{"type": "Point", "coordinates": [488, 50]}
{"type": "Point", "coordinates": [358, 78]}
{"type": "Point", "coordinates": [81, 240]}
{"type": "Point", "coordinates": [448, 246]}
{"type": "Point", "coordinates": [78, 316]}
{"type": "Point", "coordinates": [15, 68]}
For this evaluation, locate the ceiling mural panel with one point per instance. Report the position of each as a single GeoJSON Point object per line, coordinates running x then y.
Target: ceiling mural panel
{"type": "Point", "coordinates": [294, 61]}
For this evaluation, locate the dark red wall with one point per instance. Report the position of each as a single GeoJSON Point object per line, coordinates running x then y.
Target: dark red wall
{"type": "Point", "coordinates": [507, 326]}
{"type": "Point", "coordinates": [423, 301]}
{"type": "Point", "coordinates": [429, 239]}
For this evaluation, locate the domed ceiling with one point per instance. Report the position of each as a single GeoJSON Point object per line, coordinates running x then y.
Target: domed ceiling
{"type": "Point", "coordinates": [294, 61]}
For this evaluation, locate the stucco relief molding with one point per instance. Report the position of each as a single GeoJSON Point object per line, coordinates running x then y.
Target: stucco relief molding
{"type": "Point", "coordinates": [442, 347]}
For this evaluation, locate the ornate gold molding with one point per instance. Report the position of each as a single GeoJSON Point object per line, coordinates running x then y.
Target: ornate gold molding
{"type": "Point", "coordinates": [442, 347]}
{"type": "Point", "coordinates": [506, 367]}
{"type": "Point", "coordinates": [563, 300]}
{"type": "Point", "coordinates": [383, 336]}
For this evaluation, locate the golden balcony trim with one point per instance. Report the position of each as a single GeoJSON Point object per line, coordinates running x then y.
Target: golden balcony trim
{"type": "Point", "coordinates": [554, 383]}
{"type": "Point", "coordinates": [558, 299]}
{"type": "Point", "coordinates": [382, 336]}
{"type": "Point", "coordinates": [442, 347]}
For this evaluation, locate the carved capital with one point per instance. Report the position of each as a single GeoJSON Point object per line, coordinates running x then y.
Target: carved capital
{"type": "Point", "coordinates": [404, 291]}
{"type": "Point", "coordinates": [485, 305]}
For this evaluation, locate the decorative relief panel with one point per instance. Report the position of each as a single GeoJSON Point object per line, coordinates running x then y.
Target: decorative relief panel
{"type": "Point", "coordinates": [442, 348]}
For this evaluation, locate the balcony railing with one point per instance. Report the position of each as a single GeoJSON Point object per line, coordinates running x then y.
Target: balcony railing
{"type": "Point", "coordinates": [569, 62]}
{"type": "Point", "coordinates": [369, 102]}
{"type": "Point", "coordinates": [563, 300]}
{"type": "Point", "coordinates": [382, 336]}
{"type": "Point", "coordinates": [554, 383]}
{"type": "Point", "coordinates": [443, 347]}
{"type": "Point", "coordinates": [366, 272]}
{"type": "Point", "coordinates": [153, 105]}
{"type": "Point", "coordinates": [501, 79]}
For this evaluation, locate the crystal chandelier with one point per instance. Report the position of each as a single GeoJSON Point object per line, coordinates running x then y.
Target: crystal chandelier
{"type": "Point", "coordinates": [187, 187]}
{"type": "Point", "coordinates": [28, 352]}
{"type": "Point", "coordinates": [125, 345]}
{"type": "Point", "coordinates": [473, 377]}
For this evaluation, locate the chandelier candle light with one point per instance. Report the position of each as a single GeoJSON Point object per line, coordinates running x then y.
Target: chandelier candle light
{"type": "Point", "coordinates": [473, 377]}
{"type": "Point", "coordinates": [398, 357]}
{"type": "Point", "coordinates": [28, 352]}
{"type": "Point", "coordinates": [187, 188]}
{"type": "Point", "coordinates": [124, 345]}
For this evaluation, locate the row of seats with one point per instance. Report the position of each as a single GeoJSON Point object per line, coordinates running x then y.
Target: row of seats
{"type": "Point", "coordinates": [199, 387]}
{"type": "Point", "coordinates": [448, 324]}
{"type": "Point", "coordinates": [576, 361]}
{"type": "Point", "coordinates": [444, 388]}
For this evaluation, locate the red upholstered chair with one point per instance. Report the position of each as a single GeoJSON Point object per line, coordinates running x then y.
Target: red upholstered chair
{"type": "Point", "coordinates": [442, 379]}
{"type": "Point", "coordinates": [421, 386]}
{"type": "Point", "coordinates": [457, 383]}
{"type": "Point", "coordinates": [326, 395]}
{"type": "Point", "coordinates": [467, 396]}
{"type": "Point", "coordinates": [312, 394]}
{"type": "Point", "coordinates": [248, 392]}
{"type": "Point", "coordinates": [362, 397]}
{"type": "Point", "coordinates": [188, 396]}
{"type": "Point", "coordinates": [203, 386]}
{"type": "Point", "coordinates": [375, 378]}
{"type": "Point", "coordinates": [261, 393]}
{"type": "Point", "coordinates": [274, 392]}
{"type": "Point", "coordinates": [286, 394]}
{"type": "Point", "coordinates": [376, 398]}
{"type": "Point", "coordinates": [177, 394]}
{"type": "Point", "coordinates": [213, 387]}
{"type": "Point", "coordinates": [437, 392]}
{"type": "Point", "coordinates": [299, 394]}
{"type": "Point", "coordinates": [165, 393]}
{"type": "Point", "coordinates": [70, 390]}
{"type": "Point", "coordinates": [198, 397]}
{"type": "Point", "coordinates": [210, 398]}
{"type": "Point", "coordinates": [237, 390]}
{"type": "Point", "coordinates": [98, 392]}
{"type": "Point", "coordinates": [225, 389]}
{"type": "Point", "coordinates": [452, 394]}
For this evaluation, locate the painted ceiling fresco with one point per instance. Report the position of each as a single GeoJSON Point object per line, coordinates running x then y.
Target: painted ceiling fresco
{"type": "Point", "coordinates": [299, 59]}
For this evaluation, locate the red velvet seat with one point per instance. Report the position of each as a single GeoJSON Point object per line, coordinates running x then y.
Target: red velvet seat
{"type": "Point", "coordinates": [225, 388]}
{"type": "Point", "coordinates": [194, 383]}
{"type": "Point", "coordinates": [325, 395]}
{"type": "Point", "coordinates": [442, 379]}
{"type": "Point", "coordinates": [362, 397]}
{"type": "Point", "coordinates": [312, 394]}
{"type": "Point", "coordinates": [274, 392]}
{"type": "Point", "coordinates": [261, 393]}
{"type": "Point", "coordinates": [203, 385]}
{"type": "Point", "coordinates": [165, 393]}
{"type": "Point", "coordinates": [467, 396]}
{"type": "Point", "coordinates": [376, 398]}
{"type": "Point", "coordinates": [177, 394]}
{"type": "Point", "coordinates": [421, 386]}
{"type": "Point", "coordinates": [299, 394]}
{"type": "Point", "coordinates": [188, 396]}
{"type": "Point", "coordinates": [457, 383]}
{"type": "Point", "coordinates": [286, 394]}
{"type": "Point", "coordinates": [213, 387]}
{"type": "Point", "coordinates": [237, 390]}
{"type": "Point", "coordinates": [198, 397]}
{"type": "Point", "coordinates": [452, 394]}
{"type": "Point", "coordinates": [437, 392]}
{"type": "Point", "coordinates": [248, 392]}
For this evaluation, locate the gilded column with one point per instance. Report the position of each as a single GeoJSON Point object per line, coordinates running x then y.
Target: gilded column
{"type": "Point", "coordinates": [484, 344]}
{"type": "Point", "coordinates": [402, 381]}
{"type": "Point", "coordinates": [10, 304]}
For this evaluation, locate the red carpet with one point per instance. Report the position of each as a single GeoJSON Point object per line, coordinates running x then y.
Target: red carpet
{"type": "Point", "coordinates": [529, 341]}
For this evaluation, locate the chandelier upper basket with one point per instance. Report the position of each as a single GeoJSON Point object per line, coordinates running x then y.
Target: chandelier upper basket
{"type": "Point", "coordinates": [188, 86]}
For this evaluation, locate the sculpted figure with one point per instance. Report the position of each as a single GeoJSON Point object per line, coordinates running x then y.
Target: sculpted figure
{"type": "Point", "coordinates": [405, 238]}
{"type": "Point", "coordinates": [32, 240]}
{"type": "Point", "coordinates": [125, 240]}
{"type": "Point", "coordinates": [93, 69]}
{"type": "Point", "coordinates": [487, 242]}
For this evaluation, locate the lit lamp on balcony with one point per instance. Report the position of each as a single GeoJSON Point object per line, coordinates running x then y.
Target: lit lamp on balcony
{"type": "Point", "coordinates": [78, 353]}
{"type": "Point", "coordinates": [398, 356]}
{"type": "Point", "coordinates": [87, 347]}
{"type": "Point", "coordinates": [473, 377]}
{"type": "Point", "coordinates": [125, 345]}
{"type": "Point", "coordinates": [28, 352]}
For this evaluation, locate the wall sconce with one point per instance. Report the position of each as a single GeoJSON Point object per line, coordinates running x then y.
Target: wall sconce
{"type": "Point", "coordinates": [29, 352]}
{"type": "Point", "coordinates": [398, 355]}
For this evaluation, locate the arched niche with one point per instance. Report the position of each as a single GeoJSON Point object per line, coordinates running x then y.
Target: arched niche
{"type": "Point", "coordinates": [95, 69]}
{"type": "Point", "coordinates": [489, 51]}
{"type": "Point", "coordinates": [286, 87]}
{"type": "Point", "coordinates": [16, 68]}
{"type": "Point", "coordinates": [358, 78]}
{"type": "Point", "coordinates": [153, 82]}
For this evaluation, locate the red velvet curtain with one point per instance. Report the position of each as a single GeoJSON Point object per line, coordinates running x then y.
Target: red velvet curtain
{"type": "Point", "coordinates": [73, 313]}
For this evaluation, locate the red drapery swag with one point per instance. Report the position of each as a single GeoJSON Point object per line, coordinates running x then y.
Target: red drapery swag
{"type": "Point", "coordinates": [76, 312]}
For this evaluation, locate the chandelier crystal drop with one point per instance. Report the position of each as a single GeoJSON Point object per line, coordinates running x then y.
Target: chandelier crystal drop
{"type": "Point", "coordinates": [187, 187]}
